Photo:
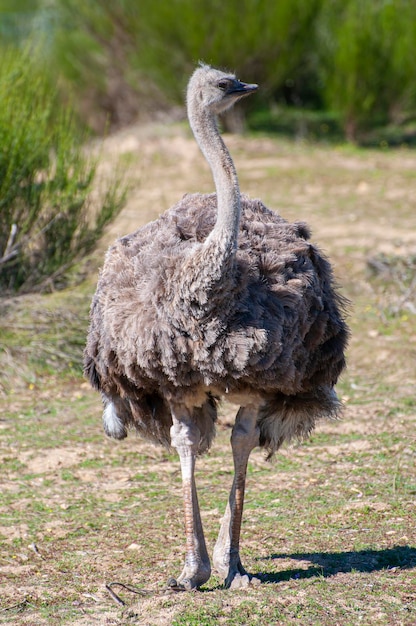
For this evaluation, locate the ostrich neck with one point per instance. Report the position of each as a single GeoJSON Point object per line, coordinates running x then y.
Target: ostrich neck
{"type": "Point", "coordinates": [204, 282]}
{"type": "Point", "coordinates": [225, 231]}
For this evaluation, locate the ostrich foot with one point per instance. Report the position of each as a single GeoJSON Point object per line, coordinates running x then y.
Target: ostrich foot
{"type": "Point", "coordinates": [234, 574]}
{"type": "Point", "coordinates": [237, 578]}
{"type": "Point", "coordinates": [238, 582]}
{"type": "Point", "coordinates": [188, 581]}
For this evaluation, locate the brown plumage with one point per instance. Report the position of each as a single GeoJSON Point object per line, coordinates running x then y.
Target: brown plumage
{"type": "Point", "coordinates": [219, 297]}
{"type": "Point", "coordinates": [275, 329]}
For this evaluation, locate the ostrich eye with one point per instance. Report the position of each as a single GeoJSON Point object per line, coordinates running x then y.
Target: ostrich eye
{"type": "Point", "coordinates": [223, 84]}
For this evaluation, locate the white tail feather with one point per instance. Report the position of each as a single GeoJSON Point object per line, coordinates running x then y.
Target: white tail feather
{"type": "Point", "coordinates": [113, 425]}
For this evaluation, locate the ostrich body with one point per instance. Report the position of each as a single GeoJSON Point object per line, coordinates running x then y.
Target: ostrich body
{"type": "Point", "coordinates": [219, 297]}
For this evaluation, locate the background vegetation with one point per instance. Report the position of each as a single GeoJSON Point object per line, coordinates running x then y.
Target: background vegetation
{"type": "Point", "coordinates": [47, 217]}
{"type": "Point", "coordinates": [350, 60]}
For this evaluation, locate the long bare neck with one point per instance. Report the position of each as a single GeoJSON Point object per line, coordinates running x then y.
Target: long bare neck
{"type": "Point", "coordinates": [205, 279]}
{"type": "Point", "coordinates": [205, 129]}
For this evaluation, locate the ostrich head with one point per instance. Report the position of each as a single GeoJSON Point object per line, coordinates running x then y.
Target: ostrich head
{"type": "Point", "coordinates": [215, 90]}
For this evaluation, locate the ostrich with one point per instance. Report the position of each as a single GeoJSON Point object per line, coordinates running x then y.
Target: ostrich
{"type": "Point", "coordinates": [219, 297]}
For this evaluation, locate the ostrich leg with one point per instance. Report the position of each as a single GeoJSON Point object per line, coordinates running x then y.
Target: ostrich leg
{"type": "Point", "coordinates": [185, 438]}
{"type": "Point", "coordinates": [245, 437]}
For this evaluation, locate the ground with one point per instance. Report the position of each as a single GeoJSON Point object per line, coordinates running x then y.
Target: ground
{"type": "Point", "coordinates": [329, 525]}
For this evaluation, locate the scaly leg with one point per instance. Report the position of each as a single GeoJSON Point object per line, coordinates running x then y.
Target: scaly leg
{"type": "Point", "coordinates": [245, 437]}
{"type": "Point", "coordinates": [185, 438]}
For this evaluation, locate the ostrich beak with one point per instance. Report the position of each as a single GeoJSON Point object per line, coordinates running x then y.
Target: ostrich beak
{"type": "Point", "coordinates": [243, 89]}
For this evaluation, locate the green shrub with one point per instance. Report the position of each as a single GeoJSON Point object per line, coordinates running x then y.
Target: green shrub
{"type": "Point", "coordinates": [140, 53]}
{"type": "Point", "coordinates": [260, 39]}
{"type": "Point", "coordinates": [126, 58]}
{"type": "Point", "coordinates": [367, 61]}
{"type": "Point", "coordinates": [47, 218]}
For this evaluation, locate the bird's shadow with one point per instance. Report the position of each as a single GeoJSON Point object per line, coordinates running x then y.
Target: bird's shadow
{"type": "Point", "coordinates": [327, 564]}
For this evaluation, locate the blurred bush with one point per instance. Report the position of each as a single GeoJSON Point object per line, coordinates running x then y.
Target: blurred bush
{"type": "Point", "coordinates": [366, 61]}
{"type": "Point", "coordinates": [130, 58]}
{"type": "Point", "coordinates": [47, 218]}
{"type": "Point", "coordinates": [351, 59]}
